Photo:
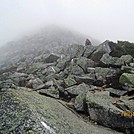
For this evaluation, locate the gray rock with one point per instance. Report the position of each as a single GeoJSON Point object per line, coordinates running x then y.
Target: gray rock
{"type": "Point", "coordinates": [28, 112]}
{"type": "Point", "coordinates": [101, 49]}
{"type": "Point", "coordinates": [74, 70]}
{"type": "Point", "coordinates": [75, 51]}
{"type": "Point", "coordinates": [108, 60]}
{"type": "Point", "coordinates": [51, 58]}
{"type": "Point", "coordinates": [52, 92]}
{"type": "Point", "coordinates": [80, 103]}
{"type": "Point", "coordinates": [88, 50]}
{"type": "Point", "coordinates": [105, 75]}
{"type": "Point", "coordinates": [84, 63]}
{"type": "Point", "coordinates": [69, 82]}
{"type": "Point", "coordinates": [62, 63]}
{"type": "Point", "coordinates": [101, 109]}
{"type": "Point", "coordinates": [127, 79]}
{"type": "Point", "coordinates": [34, 83]}
{"type": "Point", "coordinates": [79, 89]}
{"type": "Point", "coordinates": [88, 79]}
{"type": "Point", "coordinates": [124, 59]}
{"type": "Point", "coordinates": [116, 92]}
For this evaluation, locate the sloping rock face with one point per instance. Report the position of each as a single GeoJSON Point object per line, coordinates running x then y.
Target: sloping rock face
{"type": "Point", "coordinates": [95, 81]}
{"type": "Point", "coordinates": [24, 112]}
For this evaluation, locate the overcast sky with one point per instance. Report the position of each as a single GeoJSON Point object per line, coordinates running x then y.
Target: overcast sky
{"type": "Point", "coordinates": [101, 19]}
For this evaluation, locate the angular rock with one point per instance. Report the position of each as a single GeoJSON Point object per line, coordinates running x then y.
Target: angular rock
{"type": "Point", "coordinates": [34, 83]}
{"type": "Point", "coordinates": [80, 103]}
{"type": "Point", "coordinates": [84, 63]}
{"type": "Point", "coordinates": [76, 90]}
{"type": "Point", "coordinates": [74, 70]}
{"type": "Point", "coordinates": [69, 82]}
{"type": "Point", "coordinates": [101, 109]}
{"type": "Point", "coordinates": [88, 51]}
{"type": "Point", "coordinates": [124, 59]}
{"type": "Point", "coordinates": [28, 112]}
{"type": "Point", "coordinates": [88, 79]}
{"type": "Point", "coordinates": [105, 75]}
{"type": "Point", "coordinates": [108, 60]}
{"type": "Point", "coordinates": [52, 92]}
{"type": "Point", "coordinates": [127, 79]}
{"type": "Point", "coordinates": [51, 58]}
{"type": "Point", "coordinates": [101, 49]}
{"type": "Point", "coordinates": [62, 63]}
{"type": "Point", "coordinates": [116, 92]}
{"type": "Point", "coordinates": [75, 51]}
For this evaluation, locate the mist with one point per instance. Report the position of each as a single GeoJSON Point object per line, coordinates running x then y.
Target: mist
{"type": "Point", "coordinates": [101, 19]}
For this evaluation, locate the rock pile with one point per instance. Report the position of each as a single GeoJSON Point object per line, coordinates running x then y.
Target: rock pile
{"type": "Point", "coordinates": [98, 81]}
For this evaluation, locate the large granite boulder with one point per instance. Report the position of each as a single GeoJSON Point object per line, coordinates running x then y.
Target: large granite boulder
{"type": "Point", "coordinates": [103, 109]}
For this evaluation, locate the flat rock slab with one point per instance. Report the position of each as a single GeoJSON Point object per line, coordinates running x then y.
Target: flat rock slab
{"type": "Point", "coordinates": [24, 112]}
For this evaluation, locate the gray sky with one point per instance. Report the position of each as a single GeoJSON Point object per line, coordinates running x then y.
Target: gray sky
{"type": "Point", "coordinates": [101, 19]}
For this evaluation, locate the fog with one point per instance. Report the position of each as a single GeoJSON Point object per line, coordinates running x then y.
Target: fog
{"type": "Point", "coordinates": [101, 19]}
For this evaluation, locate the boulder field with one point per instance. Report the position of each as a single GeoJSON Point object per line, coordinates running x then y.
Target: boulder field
{"type": "Point", "coordinates": [85, 90]}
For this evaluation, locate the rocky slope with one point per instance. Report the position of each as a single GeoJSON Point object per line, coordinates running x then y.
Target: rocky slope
{"type": "Point", "coordinates": [44, 93]}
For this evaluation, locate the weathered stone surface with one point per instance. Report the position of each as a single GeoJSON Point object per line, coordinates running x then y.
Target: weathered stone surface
{"type": "Point", "coordinates": [69, 82]}
{"type": "Point", "coordinates": [74, 70]}
{"type": "Point", "coordinates": [101, 49]}
{"type": "Point", "coordinates": [51, 58]}
{"type": "Point", "coordinates": [124, 59]}
{"type": "Point", "coordinates": [88, 51]}
{"type": "Point", "coordinates": [84, 63]}
{"type": "Point", "coordinates": [28, 112]}
{"type": "Point", "coordinates": [62, 63]}
{"type": "Point", "coordinates": [105, 75]}
{"type": "Point", "coordinates": [88, 79]}
{"type": "Point", "coordinates": [52, 92]}
{"type": "Point", "coordinates": [101, 109]}
{"type": "Point", "coordinates": [127, 78]}
{"type": "Point", "coordinates": [116, 92]}
{"type": "Point", "coordinates": [108, 60]}
{"type": "Point", "coordinates": [80, 103]}
{"type": "Point", "coordinates": [75, 51]}
{"type": "Point", "coordinates": [34, 83]}
{"type": "Point", "coordinates": [79, 89]}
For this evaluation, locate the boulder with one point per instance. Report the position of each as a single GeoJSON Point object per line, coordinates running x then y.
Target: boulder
{"type": "Point", "coordinates": [75, 51]}
{"type": "Point", "coordinates": [50, 58]}
{"type": "Point", "coordinates": [108, 60]}
{"type": "Point", "coordinates": [84, 63]}
{"type": "Point", "coordinates": [105, 75]}
{"type": "Point", "coordinates": [88, 50]}
{"type": "Point", "coordinates": [78, 89]}
{"type": "Point", "coordinates": [69, 82]}
{"type": "Point", "coordinates": [30, 113]}
{"type": "Point", "coordinates": [127, 79]}
{"type": "Point", "coordinates": [73, 70]}
{"type": "Point", "coordinates": [62, 63]}
{"type": "Point", "coordinates": [102, 109]}
{"type": "Point", "coordinates": [100, 50]}
{"type": "Point", "coordinates": [34, 83]}
{"type": "Point", "coordinates": [80, 103]}
{"type": "Point", "coordinates": [88, 79]}
{"type": "Point", "coordinates": [124, 60]}
{"type": "Point", "coordinates": [116, 92]}
{"type": "Point", "coordinates": [52, 92]}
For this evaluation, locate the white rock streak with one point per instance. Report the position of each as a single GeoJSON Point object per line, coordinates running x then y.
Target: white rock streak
{"type": "Point", "coordinates": [48, 127]}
